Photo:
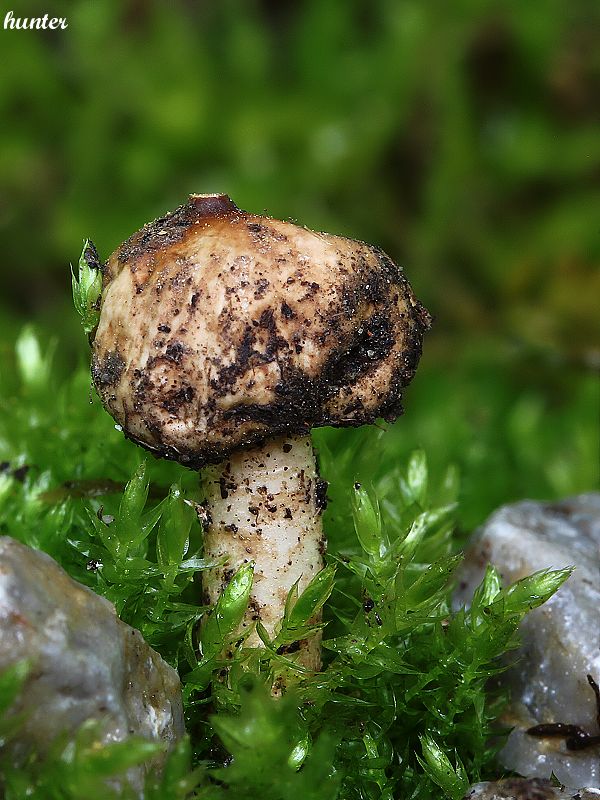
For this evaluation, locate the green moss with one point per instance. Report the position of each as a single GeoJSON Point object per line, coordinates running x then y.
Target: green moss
{"type": "Point", "coordinates": [401, 703]}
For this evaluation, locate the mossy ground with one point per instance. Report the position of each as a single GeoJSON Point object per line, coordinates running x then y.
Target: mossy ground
{"type": "Point", "coordinates": [401, 706]}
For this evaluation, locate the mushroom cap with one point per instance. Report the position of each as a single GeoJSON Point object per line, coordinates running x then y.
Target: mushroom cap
{"type": "Point", "coordinates": [219, 329]}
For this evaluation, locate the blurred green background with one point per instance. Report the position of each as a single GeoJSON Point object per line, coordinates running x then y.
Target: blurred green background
{"type": "Point", "coordinates": [461, 137]}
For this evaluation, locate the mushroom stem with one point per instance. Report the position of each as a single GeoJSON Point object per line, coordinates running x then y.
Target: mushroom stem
{"type": "Point", "coordinates": [265, 505]}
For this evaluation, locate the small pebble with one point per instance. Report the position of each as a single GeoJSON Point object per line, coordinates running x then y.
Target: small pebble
{"type": "Point", "coordinates": [86, 663]}
{"type": "Point", "coordinates": [560, 640]}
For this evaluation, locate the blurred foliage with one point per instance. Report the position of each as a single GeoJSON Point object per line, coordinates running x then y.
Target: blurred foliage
{"type": "Point", "coordinates": [462, 137]}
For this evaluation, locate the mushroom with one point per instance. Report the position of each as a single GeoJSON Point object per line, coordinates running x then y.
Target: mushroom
{"type": "Point", "coordinates": [223, 338]}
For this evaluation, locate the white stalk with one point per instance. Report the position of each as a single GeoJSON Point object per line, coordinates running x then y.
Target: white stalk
{"type": "Point", "coordinates": [265, 505]}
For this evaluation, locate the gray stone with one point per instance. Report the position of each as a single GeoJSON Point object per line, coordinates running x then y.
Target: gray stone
{"type": "Point", "coordinates": [86, 663]}
{"type": "Point", "coordinates": [527, 789]}
{"type": "Point", "coordinates": [560, 640]}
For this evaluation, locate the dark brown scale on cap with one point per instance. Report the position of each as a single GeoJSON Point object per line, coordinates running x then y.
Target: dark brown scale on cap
{"type": "Point", "coordinates": [272, 329]}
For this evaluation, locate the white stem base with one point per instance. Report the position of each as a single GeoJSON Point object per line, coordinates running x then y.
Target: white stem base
{"type": "Point", "coordinates": [265, 506]}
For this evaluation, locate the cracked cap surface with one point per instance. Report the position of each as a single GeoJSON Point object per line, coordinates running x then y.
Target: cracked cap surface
{"type": "Point", "coordinates": [219, 329]}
